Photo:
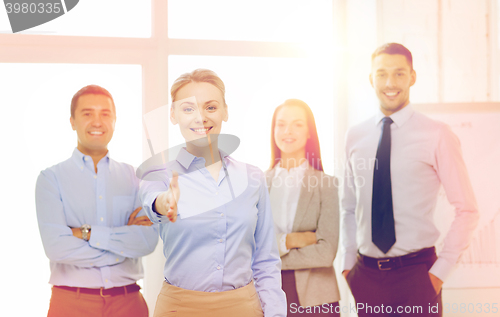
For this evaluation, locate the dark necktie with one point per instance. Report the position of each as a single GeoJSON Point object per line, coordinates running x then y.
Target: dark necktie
{"type": "Point", "coordinates": [383, 232]}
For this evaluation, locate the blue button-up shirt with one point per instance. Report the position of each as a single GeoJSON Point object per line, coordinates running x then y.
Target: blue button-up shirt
{"type": "Point", "coordinates": [71, 194]}
{"type": "Point", "coordinates": [230, 242]}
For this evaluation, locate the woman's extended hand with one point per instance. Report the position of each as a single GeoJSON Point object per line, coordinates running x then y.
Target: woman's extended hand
{"type": "Point", "coordinates": [166, 202]}
{"type": "Point", "coordinates": [297, 240]}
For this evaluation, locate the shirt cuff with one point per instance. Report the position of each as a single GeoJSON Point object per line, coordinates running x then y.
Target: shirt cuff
{"type": "Point", "coordinates": [347, 261]}
{"type": "Point", "coordinates": [150, 210]}
{"type": "Point", "coordinates": [441, 269]}
{"type": "Point", "coordinates": [282, 245]}
{"type": "Point", "coordinates": [153, 207]}
{"type": "Point", "coordinates": [99, 237]}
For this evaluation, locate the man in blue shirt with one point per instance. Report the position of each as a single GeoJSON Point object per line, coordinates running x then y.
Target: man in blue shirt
{"type": "Point", "coordinates": [90, 220]}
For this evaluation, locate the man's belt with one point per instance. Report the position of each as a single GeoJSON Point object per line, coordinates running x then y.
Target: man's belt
{"type": "Point", "coordinates": [425, 256]}
{"type": "Point", "coordinates": [104, 292]}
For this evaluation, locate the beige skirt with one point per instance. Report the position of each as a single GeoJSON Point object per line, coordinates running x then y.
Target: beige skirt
{"type": "Point", "coordinates": [176, 301]}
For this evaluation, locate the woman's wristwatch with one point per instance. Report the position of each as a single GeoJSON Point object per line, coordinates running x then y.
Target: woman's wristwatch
{"type": "Point", "coordinates": [85, 229]}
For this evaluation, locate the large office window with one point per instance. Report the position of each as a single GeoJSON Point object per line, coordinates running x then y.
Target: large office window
{"type": "Point", "coordinates": [255, 83]}
{"type": "Point", "coordinates": [258, 20]}
{"type": "Point", "coordinates": [265, 51]}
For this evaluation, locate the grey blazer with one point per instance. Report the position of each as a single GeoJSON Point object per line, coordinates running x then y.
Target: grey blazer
{"type": "Point", "coordinates": [318, 211]}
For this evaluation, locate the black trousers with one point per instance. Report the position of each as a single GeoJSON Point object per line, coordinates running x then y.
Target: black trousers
{"type": "Point", "coordinates": [405, 291]}
{"type": "Point", "coordinates": [292, 300]}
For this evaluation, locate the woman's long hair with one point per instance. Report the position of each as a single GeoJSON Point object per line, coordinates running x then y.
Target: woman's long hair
{"type": "Point", "coordinates": [313, 153]}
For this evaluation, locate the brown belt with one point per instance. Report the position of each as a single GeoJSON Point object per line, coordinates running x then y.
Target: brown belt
{"type": "Point", "coordinates": [104, 292]}
{"type": "Point", "coordinates": [426, 256]}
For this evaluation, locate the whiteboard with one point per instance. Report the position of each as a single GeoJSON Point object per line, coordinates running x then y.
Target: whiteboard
{"type": "Point", "coordinates": [477, 125]}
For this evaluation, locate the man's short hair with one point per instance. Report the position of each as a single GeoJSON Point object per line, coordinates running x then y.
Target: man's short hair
{"type": "Point", "coordinates": [89, 90]}
{"type": "Point", "coordinates": [393, 49]}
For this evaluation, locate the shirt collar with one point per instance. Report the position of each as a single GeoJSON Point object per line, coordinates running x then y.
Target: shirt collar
{"type": "Point", "coordinates": [400, 117]}
{"type": "Point", "coordinates": [80, 159]}
{"type": "Point", "coordinates": [298, 170]}
{"type": "Point", "coordinates": [186, 159]}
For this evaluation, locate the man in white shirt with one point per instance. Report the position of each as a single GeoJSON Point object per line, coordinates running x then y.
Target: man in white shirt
{"type": "Point", "coordinates": [396, 162]}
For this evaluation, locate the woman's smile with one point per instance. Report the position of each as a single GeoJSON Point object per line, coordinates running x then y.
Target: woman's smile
{"type": "Point", "coordinates": [201, 131]}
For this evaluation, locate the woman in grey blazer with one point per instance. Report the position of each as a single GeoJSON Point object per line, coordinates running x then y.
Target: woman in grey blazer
{"type": "Point", "coordinates": [304, 203]}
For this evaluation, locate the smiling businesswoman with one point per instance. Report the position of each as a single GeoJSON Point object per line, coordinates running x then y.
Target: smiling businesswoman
{"type": "Point", "coordinates": [304, 202]}
{"type": "Point", "coordinates": [221, 254]}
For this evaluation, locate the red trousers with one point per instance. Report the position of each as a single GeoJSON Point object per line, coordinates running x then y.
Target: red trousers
{"type": "Point", "coordinates": [64, 303]}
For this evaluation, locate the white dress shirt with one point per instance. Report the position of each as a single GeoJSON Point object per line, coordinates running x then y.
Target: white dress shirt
{"type": "Point", "coordinates": [424, 154]}
{"type": "Point", "coordinates": [284, 194]}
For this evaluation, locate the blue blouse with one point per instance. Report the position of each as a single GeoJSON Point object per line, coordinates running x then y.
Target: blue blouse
{"type": "Point", "coordinates": [229, 241]}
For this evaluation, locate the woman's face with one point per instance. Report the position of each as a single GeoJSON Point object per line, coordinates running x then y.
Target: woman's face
{"type": "Point", "coordinates": [198, 110]}
{"type": "Point", "coordinates": [291, 131]}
